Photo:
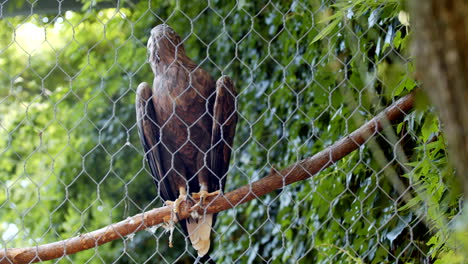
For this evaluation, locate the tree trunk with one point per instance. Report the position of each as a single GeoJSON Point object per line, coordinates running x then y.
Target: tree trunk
{"type": "Point", "coordinates": [441, 49]}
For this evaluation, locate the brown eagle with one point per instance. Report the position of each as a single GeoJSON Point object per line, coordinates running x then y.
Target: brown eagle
{"type": "Point", "coordinates": [186, 123]}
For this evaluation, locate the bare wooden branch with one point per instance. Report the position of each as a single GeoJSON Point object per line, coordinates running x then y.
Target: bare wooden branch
{"type": "Point", "coordinates": [277, 179]}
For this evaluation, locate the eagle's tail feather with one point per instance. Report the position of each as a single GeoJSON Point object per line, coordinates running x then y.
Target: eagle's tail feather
{"type": "Point", "coordinates": [199, 233]}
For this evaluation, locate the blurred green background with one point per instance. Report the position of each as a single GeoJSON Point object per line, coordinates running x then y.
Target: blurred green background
{"type": "Point", "coordinates": [307, 73]}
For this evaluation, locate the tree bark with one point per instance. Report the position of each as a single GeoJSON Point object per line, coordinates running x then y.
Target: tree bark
{"type": "Point", "coordinates": [441, 49]}
{"type": "Point", "coordinates": [275, 180]}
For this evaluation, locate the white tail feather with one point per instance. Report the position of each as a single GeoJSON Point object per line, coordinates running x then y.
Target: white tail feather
{"type": "Point", "coordinates": [199, 233]}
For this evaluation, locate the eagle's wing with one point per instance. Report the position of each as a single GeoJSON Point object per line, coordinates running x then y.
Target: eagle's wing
{"type": "Point", "coordinates": [148, 130]}
{"type": "Point", "coordinates": [224, 129]}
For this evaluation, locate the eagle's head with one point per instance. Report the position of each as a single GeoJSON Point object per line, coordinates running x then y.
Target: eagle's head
{"type": "Point", "coordinates": [164, 47]}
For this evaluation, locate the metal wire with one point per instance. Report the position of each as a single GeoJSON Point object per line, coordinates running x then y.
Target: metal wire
{"type": "Point", "coordinates": [71, 160]}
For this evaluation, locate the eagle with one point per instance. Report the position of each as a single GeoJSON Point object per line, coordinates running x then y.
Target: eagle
{"type": "Point", "coordinates": [186, 122]}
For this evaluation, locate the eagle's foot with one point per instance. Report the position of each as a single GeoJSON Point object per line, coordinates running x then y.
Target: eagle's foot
{"type": "Point", "coordinates": [176, 204]}
{"type": "Point", "coordinates": [202, 195]}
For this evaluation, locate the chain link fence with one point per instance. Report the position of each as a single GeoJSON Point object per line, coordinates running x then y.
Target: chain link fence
{"type": "Point", "coordinates": [307, 73]}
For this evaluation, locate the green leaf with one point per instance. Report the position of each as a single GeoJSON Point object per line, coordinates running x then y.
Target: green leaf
{"type": "Point", "coordinates": [326, 31]}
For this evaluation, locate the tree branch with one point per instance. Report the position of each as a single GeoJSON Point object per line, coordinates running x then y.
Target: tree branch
{"type": "Point", "coordinates": [301, 170]}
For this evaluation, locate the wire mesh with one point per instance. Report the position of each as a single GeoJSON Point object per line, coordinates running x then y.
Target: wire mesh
{"type": "Point", "coordinates": [306, 72]}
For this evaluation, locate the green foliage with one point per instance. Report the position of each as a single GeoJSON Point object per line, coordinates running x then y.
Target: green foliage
{"type": "Point", "coordinates": [307, 72]}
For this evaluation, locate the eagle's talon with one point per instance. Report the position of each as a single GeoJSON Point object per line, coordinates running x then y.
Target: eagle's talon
{"type": "Point", "coordinates": [175, 213]}
{"type": "Point", "coordinates": [202, 195]}
{"type": "Point", "coordinates": [176, 204]}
